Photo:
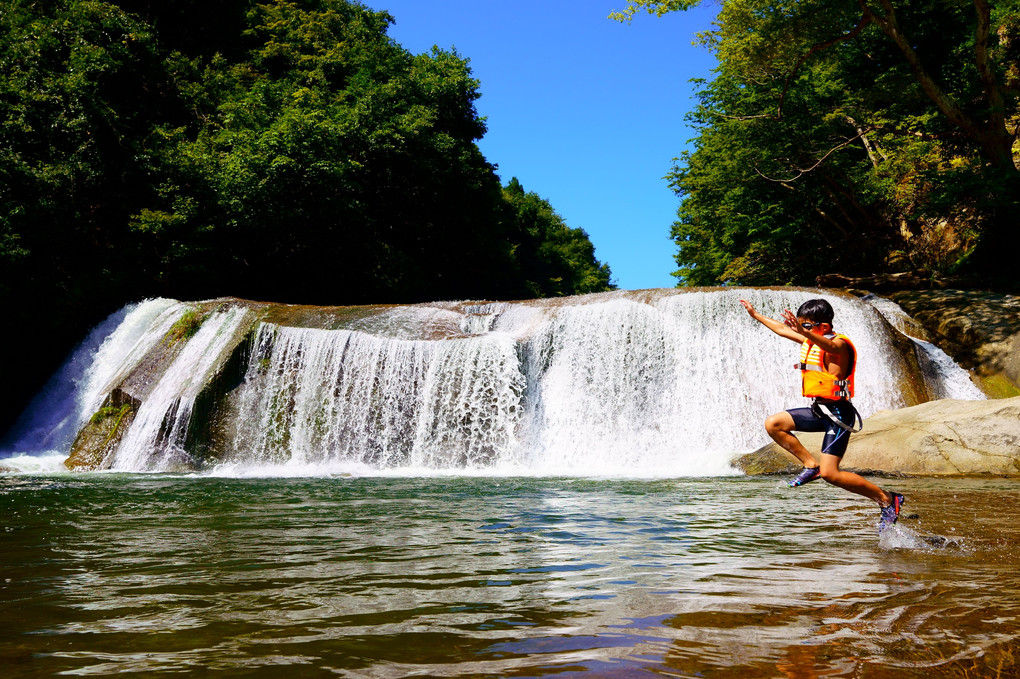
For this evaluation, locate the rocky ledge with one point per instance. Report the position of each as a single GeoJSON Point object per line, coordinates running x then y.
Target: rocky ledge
{"type": "Point", "coordinates": [980, 330]}
{"type": "Point", "coordinates": [938, 438]}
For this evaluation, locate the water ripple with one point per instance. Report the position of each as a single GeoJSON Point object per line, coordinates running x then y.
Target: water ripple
{"type": "Point", "coordinates": [503, 577]}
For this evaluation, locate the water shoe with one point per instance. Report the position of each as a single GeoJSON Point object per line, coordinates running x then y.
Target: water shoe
{"type": "Point", "coordinates": [891, 512]}
{"type": "Point", "coordinates": [807, 475]}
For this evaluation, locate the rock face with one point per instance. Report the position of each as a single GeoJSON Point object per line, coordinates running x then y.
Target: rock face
{"type": "Point", "coordinates": [939, 438]}
{"type": "Point", "coordinates": [980, 330]}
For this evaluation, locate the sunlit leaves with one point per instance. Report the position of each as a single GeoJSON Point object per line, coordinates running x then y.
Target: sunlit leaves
{"type": "Point", "coordinates": [831, 124]}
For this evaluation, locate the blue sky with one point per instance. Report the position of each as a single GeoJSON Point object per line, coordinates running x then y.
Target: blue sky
{"type": "Point", "coordinates": [585, 111]}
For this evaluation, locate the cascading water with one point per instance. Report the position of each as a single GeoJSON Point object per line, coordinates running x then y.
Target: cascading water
{"type": "Point", "coordinates": [343, 396]}
{"type": "Point", "coordinates": [680, 381]}
{"type": "Point", "coordinates": [942, 376]}
{"type": "Point", "coordinates": [77, 390]}
{"type": "Point", "coordinates": [634, 383]}
{"type": "Point", "coordinates": [157, 436]}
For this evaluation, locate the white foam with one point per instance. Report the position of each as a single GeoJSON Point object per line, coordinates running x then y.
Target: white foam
{"type": "Point", "coordinates": [644, 384]}
{"type": "Point", "coordinates": [48, 463]}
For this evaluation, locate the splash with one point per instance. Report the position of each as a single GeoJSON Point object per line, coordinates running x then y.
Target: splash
{"type": "Point", "coordinates": [55, 415]}
{"type": "Point", "coordinates": [900, 537]}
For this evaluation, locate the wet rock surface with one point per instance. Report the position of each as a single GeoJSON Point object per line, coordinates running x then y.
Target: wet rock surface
{"type": "Point", "coordinates": [980, 330]}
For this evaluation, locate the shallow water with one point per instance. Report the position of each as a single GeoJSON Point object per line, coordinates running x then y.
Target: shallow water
{"type": "Point", "coordinates": [454, 576]}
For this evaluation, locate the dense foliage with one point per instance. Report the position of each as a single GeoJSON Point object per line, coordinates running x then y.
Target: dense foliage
{"type": "Point", "coordinates": [851, 136]}
{"type": "Point", "coordinates": [288, 151]}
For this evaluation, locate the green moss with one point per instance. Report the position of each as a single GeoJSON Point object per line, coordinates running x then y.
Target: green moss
{"type": "Point", "coordinates": [110, 411]}
{"type": "Point", "coordinates": [185, 327]}
{"type": "Point", "coordinates": [998, 386]}
{"type": "Point", "coordinates": [97, 438]}
{"type": "Point", "coordinates": [114, 413]}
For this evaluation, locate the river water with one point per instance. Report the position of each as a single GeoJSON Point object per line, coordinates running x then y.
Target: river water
{"type": "Point", "coordinates": [504, 577]}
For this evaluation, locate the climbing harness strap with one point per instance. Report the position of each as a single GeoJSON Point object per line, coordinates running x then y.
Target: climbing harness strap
{"type": "Point", "coordinates": [824, 410]}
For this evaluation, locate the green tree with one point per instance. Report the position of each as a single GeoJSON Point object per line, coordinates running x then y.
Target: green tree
{"type": "Point", "coordinates": [829, 125]}
{"type": "Point", "coordinates": [81, 89]}
{"type": "Point", "coordinates": [329, 164]}
{"type": "Point", "coordinates": [553, 258]}
{"type": "Point", "coordinates": [279, 150]}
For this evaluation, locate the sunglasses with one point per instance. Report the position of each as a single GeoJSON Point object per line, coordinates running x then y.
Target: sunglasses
{"type": "Point", "coordinates": [808, 326]}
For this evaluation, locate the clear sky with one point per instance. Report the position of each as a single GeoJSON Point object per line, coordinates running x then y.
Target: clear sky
{"type": "Point", "coordinates": [585, 111]}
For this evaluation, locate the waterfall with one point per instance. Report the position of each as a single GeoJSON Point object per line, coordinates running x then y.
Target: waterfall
{"type": "Point", "coordinates": [343, 396]}
{"type": "Point", "coordinates": [77, 390]}
{"type": "Point", "coordinates": [156, 439]}
{"type": "Point", "coordinates": [680, 381]}
{"type": "Point", "coordinates": [942, 376]}
{"type": "Point", "coordinates": [660, 382]}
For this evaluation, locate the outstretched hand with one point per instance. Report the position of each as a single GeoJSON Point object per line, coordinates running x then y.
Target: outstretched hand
{"type": "Point", "coordinates": [788, 327]}
{"type": "Point", "coordinates": [791, 322]}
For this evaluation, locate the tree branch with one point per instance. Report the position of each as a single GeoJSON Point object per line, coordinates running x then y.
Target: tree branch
{"type": "Point", "coordinates": [788, 79]}
{"type": "Point", "coordinates": [890, 26]}
{"type": "Point", "coordinates": [996, 100]}
{"type": "Point", "coordinates": [868, 146]}
{"type": "Point", "coordinates": [801, 173]}
{"type": "Point", "coordinates": [991, 134]}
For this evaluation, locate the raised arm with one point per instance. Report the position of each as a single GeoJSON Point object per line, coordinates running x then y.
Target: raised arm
{"type": "Point", "coordinates": [781, 328]}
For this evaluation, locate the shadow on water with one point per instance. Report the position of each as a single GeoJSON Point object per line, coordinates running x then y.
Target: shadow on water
{"type": "Point", "coordinates": [504, 577]}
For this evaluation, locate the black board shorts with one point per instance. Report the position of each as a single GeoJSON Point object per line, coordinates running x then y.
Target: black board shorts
{"type": "Point", "coordinates": [811, 419]}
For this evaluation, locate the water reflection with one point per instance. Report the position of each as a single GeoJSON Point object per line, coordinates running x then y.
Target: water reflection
{"type": "Point", "coordinates": [503, 577]}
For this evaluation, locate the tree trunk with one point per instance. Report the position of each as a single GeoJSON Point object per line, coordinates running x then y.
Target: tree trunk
{"type": "Point", "coordinates": [991, 135]}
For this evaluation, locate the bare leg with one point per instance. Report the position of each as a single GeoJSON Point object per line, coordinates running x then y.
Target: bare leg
{"type": "Point", "coordinates": [779, 427]}
{"type": "Point", "coordinates": [852, 482]}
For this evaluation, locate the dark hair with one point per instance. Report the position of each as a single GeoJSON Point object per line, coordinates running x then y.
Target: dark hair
{"type": "Point", "coordinates": [816, 310]}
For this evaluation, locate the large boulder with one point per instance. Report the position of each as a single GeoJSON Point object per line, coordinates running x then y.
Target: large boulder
{"type": "Point", "coordinates": [938, 438]}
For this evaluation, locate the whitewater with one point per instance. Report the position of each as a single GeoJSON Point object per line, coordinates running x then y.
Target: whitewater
{"type": "Point", "coordinates": [660, 383]}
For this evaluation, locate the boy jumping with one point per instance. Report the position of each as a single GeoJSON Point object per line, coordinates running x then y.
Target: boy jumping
{"type": "Point", "coordinates": [828, 362]}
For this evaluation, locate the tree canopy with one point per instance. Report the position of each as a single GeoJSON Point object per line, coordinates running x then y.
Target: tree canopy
{"type": "Point", "coordinates": [852, 136]}
{"type": "Point", "coordinates": [277, 150]}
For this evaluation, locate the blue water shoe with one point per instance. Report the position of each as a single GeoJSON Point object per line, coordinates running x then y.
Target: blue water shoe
{"type": "Point", "coordinates": [807, 475]}
{"type": "Point", "coordinates": [891, 512]}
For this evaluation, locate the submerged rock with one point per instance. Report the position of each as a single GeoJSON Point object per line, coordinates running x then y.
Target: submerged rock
{"type": "Point", "coordinates": [938, 438]}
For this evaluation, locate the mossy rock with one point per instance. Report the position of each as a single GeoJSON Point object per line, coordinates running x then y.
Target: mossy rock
{"type": "Point", "coordinates": [185, 327]}
{"type": "Point", "coordinates": [997, 386]}
{"type": "Point", "coordinates": [100, 436]}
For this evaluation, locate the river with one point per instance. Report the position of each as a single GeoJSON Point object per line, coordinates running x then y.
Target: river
{"type": "Point", "coordinates": [489, 576]}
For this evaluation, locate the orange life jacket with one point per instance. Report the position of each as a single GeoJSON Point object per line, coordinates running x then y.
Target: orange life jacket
{"type": "Point", "coordinates": [817, 382]}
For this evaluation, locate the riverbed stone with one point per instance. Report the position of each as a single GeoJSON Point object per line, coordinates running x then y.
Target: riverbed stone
{"type": "Point", "coordinates": [939, 438]}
